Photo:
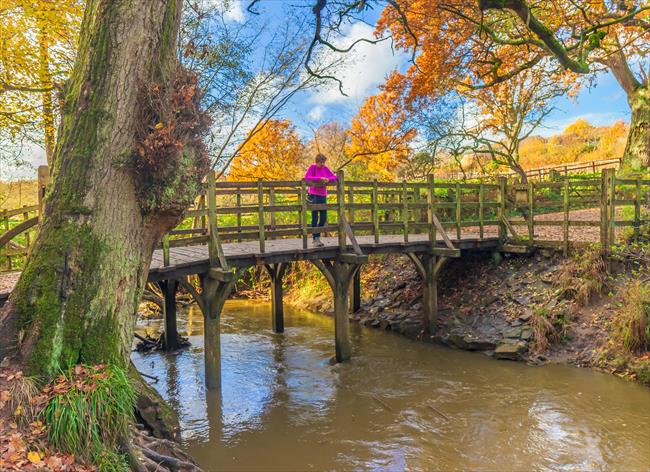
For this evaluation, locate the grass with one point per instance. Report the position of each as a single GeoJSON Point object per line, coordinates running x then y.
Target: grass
{"type": "Point", "coordinates": [548, 327]}
{"type": "Point", "coordinates": [631, 324]}
{"type": "Point", "coordinates": [89, 413]}
{"type": "Point", "coordinates": [583, 276]}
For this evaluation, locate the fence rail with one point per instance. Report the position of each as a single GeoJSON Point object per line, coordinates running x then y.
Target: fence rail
{"type": "Point", "coordinates": [555, 171]}
{"type": "Point", "coordinates": [558, 214]}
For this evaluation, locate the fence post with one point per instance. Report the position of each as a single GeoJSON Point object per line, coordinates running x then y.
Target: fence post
{"type": "Point", "coordinates": [481, 197]}
{"type": "Point", "coordinates": [637, 210]}
{"type": "Point", "coordinates": [375, 210]}
{"type": "Point", "coordinates": [565, 222]}
{"type": "Point", "coordinates": [503, 231]}
{"type": "Point", "coordinates": [340, 196]}
{"type": "Point", "coordinates": [212, 219]}
{"type": "Point", "coordinates": [272, 203]}
{"type": "Point", "coordinates": [531, 213]}
{"type": "Point", "coordinates": [607, 177]}
{"type": "Point", "coordinates": [431, 210]}
{"type": "Point", "coordinates": [405, 212]}
{"type": "Point", "coordinates": [260, 215]}
{"type": "Point", "coordinates": [303, 212]}
{"type": "Point", "coordinates": [459, 211]}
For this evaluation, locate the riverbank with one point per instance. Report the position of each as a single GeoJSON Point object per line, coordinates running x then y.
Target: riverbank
{"type": "Point", "coordinates": [538, 309]}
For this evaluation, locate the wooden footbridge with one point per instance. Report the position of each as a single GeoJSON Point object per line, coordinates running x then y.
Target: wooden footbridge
{"type": "Point", "coordinates": [237, 225]}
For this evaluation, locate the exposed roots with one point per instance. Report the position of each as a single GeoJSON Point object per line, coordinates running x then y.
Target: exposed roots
{"type": "Point", "coordinates": [149, 454]}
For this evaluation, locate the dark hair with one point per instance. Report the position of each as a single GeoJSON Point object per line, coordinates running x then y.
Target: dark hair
{"type": "Point", "coordinates": [320, 158]}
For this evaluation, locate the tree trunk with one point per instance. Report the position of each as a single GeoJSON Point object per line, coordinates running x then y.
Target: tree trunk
{"type": "Point", "coordinates": [77, 297]}
{"type": "Point", "coordinates": [637, 148]}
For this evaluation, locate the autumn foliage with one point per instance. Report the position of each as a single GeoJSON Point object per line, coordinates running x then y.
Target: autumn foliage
{"type": "Point", "coordinates": [380, 137]}
{"type": "Point", "coordinates": [273, 151]}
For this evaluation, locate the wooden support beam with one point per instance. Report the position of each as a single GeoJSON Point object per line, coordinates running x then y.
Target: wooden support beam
{"type": "Point", "coordinates": [213, 297]}
{"type": "Point", "coordinates": [339, 275]}
{"type": "Point", "coordinates": [170, 334]}
{"type": "Point", "coordinates": [356, 292]}
{"type": "Point", "coordinates": [276, 274]}
{"type": "Point", "coordinates": [429, 267]}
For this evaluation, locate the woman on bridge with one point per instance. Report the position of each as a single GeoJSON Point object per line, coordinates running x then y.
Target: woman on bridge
{"type": "Point", "coordinates": [319, 175]}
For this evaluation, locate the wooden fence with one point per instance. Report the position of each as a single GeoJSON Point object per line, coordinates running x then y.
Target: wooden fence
{"type": "Point", "coordinates": [558, 214]}
{"type": "Point", "coordinates": [554, 172]}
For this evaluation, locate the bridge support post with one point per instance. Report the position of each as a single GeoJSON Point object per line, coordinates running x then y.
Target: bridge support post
{"type": "Point", "coordinates": [339, 274]}
{"type": "Point", "coordinates": [170, 335]}
{"type": "Point", "coordinates": [429, 267]}
{"type": "Point", "coordinates": [276, 274]}
{"type": "Point", "coordinates": [355, 304]}
{"type": "Point", "coordinates": [216, 286]}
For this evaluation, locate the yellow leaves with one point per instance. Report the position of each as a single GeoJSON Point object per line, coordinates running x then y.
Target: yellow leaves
{"type": "Point", "coordinates": [272, 152]}
{"type": "Point", "coordinates": [34, 457]}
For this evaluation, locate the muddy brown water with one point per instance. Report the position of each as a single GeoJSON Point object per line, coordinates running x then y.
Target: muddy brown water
{"type": "Point", "coordinates": [398, 405]}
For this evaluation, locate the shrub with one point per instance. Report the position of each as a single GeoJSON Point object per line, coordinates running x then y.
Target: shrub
{"type": "Point", "coordinates": [88, 413]}
{"type": "Point", "coordinates": [583, 276]}
{"type": "Point", "coordinates": [548, 327]}
{"type": "Point", "coordinates": [631, 324]}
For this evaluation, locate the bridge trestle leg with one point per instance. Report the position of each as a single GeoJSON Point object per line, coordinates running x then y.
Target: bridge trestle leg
{"type": "Point", "coordinates": [216, 286]}
{"type": "Point", "coordinates": [355, 304]}
{"type": "Point", "coordinates": [170, 334]}
{"type": "Point", "coordinates": [429, 267]}
{"type": "Point", "coordinates": [339, 274]}
{"type": "Point", "coordinates": [276, 274]}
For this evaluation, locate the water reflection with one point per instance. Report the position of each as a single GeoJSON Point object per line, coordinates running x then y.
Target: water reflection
{"type": "Point", "coordinates": [397, 405]}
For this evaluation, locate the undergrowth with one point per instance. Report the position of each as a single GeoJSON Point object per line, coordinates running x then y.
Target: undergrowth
{"type": "Point", "coordinates": [549, 326]}
{"type": "Point", "coordinates": [89, 413]}
{"type": "Point", "coordinates": [583, 276]}
{"type": "Point", "coordinates": [631, 324]}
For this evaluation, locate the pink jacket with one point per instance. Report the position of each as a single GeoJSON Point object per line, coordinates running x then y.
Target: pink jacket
{"type": "Point", "coordinates": [317, 173]}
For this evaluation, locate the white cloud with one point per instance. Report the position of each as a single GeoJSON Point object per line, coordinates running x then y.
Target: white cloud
{"type": "Point", "coordinates": [316, 113]}
{"type": "Point", "coordinates": [232, 9]}
{"type": "Point", "coordinates": [363, 69]}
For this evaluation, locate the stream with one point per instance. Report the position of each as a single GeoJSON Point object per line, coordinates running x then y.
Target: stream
{"type": "Point", "coordinates": [397, 405]}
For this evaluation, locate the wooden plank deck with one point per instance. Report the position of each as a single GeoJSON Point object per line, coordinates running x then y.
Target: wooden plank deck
{"type": "Point", "coordinates": [190, 260]}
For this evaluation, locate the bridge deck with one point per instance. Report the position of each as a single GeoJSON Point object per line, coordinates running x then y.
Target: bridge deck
{"type": "Point", "coordinates": [194, 259]}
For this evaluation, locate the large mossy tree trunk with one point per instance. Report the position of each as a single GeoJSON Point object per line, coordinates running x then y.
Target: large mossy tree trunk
{"type": "Point", "coordinates": [77, 297]}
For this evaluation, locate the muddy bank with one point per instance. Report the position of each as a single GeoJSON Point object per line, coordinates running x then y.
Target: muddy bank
{"type": "Point", "coordinates": [535, 309]}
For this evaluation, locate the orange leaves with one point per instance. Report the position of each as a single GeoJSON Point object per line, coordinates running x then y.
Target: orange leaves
{"type": "Point", "coordinates": [379, 135]}
{"type": "Point", "coordinates": [272, 152]}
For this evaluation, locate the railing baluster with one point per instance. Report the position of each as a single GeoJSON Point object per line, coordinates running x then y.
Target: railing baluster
{"type": "Point", "coordinates": [502, 211]}
{"type": "Point", "coordinates": [375, 210]}
{"type": "Point", "coordinates": [565, 223]}
{"type": "Point", "coordinates": [637, 210]}
{"type": "Point", "coordinates": [458, 212]}
{"type": "Point", "coordinates": [303, 212]}
{"type": "Point", "coordinates": [272, 203]}
{"type": "Point", "coordinates": [212, 219]}
{"type": "Point", "coordinates": [481, 223]}
{"type": "Point", "coordinates": [340, 196]}
{"type": "Point", "coordinates": [238, 200]}
{"type": "Point", "coordinates": [405, 212]}
{"type": "Point", "coordinates": [431, 210]}
{"type": "Point", "coordinates": [531, 213]}
{"type": "Point", "coordinates": [260, 215]}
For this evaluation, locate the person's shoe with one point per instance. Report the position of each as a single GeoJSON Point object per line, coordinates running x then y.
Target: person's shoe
{"type": "Point", "coordinates": [318, 243]}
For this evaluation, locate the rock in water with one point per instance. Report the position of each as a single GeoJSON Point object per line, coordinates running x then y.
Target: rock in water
{"type": "Point", "coordinates": [512, 351]}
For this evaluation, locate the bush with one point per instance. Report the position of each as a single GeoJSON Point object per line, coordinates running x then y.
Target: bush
{"type": "Point", "coordinates": [631, 324]}
{"type": "Point", "coordinates": [88, 414]}
{"type": "Point", "coordinates": [548, 327]}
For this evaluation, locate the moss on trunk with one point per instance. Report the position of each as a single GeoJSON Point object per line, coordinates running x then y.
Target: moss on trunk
{"type": "Point", "coordinates": [637, 149]}
{"type": "Point", "coordinates": [77, 297]}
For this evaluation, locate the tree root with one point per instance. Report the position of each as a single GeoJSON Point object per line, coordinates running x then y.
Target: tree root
{"type": "Point", "coordinates": [149, 454]}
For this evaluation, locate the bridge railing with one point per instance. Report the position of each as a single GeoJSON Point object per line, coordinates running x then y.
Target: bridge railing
{"type": "Point", "coordinates": [563, 213]}
{"type": "Point", "coordinates": [552, 214]}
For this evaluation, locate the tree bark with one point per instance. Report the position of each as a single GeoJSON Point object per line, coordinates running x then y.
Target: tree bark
{"type": "Point", "coordinates": [77, 297]}
{"type": "Point", "coordinates": [637, 148]}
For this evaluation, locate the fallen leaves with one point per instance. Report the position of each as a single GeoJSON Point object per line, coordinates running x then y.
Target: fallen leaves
{"type": "Point", "coordinates": [22, 445]}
